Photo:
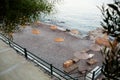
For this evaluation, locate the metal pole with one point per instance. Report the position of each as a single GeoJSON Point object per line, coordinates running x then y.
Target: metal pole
{"type": "Point", "coordinates": [51, 69]}
{"type": "Point", "coordinates": [93, 75]}
{"type": "Point", "coordinates": [25, 51]}
{"type": "Point", "coordinates": [9, 43]}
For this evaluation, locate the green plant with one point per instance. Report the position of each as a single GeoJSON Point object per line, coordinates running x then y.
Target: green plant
{"type": "Point", "coordinates": [111, 56]}
{"type": "Point", "coordinates": [18, 12]}
{"type": "Point", "coordinates": [111, 63]}
{"type": "Point", "coordinates": [111, 18]}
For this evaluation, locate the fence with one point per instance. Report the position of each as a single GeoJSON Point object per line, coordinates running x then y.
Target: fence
{"type": "Point", "coordinates": [92, 75]}
{"type": "Point", "coordinates": [40, 62]}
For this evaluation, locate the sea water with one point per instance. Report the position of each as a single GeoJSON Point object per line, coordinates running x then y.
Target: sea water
{"type": "Point", "coordinates": [83, 15]}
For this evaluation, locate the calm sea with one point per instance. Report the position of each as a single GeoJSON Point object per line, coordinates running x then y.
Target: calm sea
{"type": "Point", "coordinates": [83, 15]}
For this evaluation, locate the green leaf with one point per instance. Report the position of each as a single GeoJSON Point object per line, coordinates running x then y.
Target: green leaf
{"type": "Point", "coordinates": [113, 6]}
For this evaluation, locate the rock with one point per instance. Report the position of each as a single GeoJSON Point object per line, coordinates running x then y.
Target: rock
{"type": "Point", "coordinates": [83, 71]}
{"type": "Point", "coordinates": [92, 61]}
{"type": "Point", "coordinates": [102, 41]}
{"type": "Point", "coordinates": [86, 37]}
{"type": "Point", "coordinates": [53, 27]}
{"type": "Point", "coordinates": [68, 63]}
{"type": "Point", "coordinates": [58, 39]}
{"type": "Point", "coordinates": [67, 30]}
{"type": "Point", "coordinates": [74, 31]}
{"type": "Point", "coordinates": [91, 55]}
{"type": "Point", "coordinates": [61, 29]}
{"type": "Point", "coordinates": [75, 60]}
{"type": "Point", "coordinates": [95, 47]}
{"type": "Point", "coordinates": [85, 50]}
{"type": "Point", "coordinates": [81, 55]}
{"type": "Point", "coordinates": [96, 33]}
{"type": "Point", "coordinates": [35, 31]}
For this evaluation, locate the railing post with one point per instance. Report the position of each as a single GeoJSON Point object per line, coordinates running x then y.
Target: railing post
{"type": "Point", "coordinates": [25, 51]}
{"type": "Point", "coordinates": [9, 44]}
{"type": "Point", "coordinates": [51, 69]}
{"type": "Point", "coordinates": [93, 75]}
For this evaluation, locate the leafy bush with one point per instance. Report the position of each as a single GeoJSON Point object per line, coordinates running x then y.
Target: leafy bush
{"type": "Point", "coordinates": [111, 64]}
{"type": "Point", "coordinates": [18, 12]}
{"type": "Point", "coordinates": [111, 18]}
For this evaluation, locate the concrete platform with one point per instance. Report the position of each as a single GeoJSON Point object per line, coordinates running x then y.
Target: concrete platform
{"type": "Point", "coordinates": [16, 67]}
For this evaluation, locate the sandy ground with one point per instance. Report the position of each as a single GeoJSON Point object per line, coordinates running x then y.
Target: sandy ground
{"type": "Point", "coordinates": [56, 53]}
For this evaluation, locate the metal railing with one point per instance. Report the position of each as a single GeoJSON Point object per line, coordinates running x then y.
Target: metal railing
{"type": "Point", "coordinates": [40, 62]}
{"type": "Point", "coordinates": [92, 75]}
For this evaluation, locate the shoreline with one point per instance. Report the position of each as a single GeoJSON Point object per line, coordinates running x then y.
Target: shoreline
{"type": "Point", "coordinates": [56, 53]}
{"type": "Point", "coordinates": [95, 32]}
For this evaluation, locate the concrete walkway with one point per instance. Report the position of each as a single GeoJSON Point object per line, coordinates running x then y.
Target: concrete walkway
{"type": "Point", "coordinates": [16, 67]}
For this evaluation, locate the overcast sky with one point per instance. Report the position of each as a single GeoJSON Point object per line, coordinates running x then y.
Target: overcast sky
{"type": "Point", "coordinates": [83, 5]}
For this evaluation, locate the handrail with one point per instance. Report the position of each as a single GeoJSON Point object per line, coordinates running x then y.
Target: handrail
{"type": "Point", "coordinates": [42, 63]}
{"type": "Point", "coordinates": [93, 74]}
